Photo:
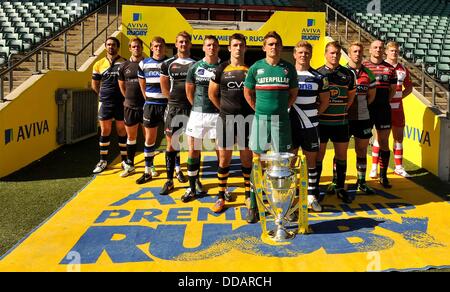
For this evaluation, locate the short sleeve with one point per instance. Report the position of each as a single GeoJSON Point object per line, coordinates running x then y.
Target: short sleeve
{"type": "Point", "coordinates": [352, 83]}
{"type": "Point", "coordinates": [393, 77]}
{"type": "Point", "coordinates": [96, 75]}
{"type": "Point", "coordinates": [164, 69]}
{"type": "Point", "coordinates": [121, 73]}
{"type": "Point", "coordinates": [140, 72]}
{"type": "Point", "coordinates": [293, 77]}
{"type": "Point", "coordinates": [190, 78]}
{"type": "Point", "coordinates": [250, 81]}
{"type": "Point", "coordinates": [324, 85]}
{"type": "Point", "coordinates": [218, 74]}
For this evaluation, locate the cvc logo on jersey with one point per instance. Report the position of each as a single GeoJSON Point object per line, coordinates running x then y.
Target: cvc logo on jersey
{"type": "Point", "coordinates": [136, 27]}
{"type": "Point", "coordinates": [310, 33]}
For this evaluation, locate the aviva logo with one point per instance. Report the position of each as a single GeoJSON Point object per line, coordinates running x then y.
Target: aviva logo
{"type": "Point", "coordinates": [415, 134]}
{"type": "Point", "coordinates": [311, 22]}
{"type": "Point", "coordinates": [26, 132]}
{"type": "Point", "coordinates": [137, 16]}
{"type": "Point", "coordinates": [8, 136]}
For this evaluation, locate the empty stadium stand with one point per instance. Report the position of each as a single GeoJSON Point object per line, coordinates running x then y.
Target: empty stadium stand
{"type": "Point", "coordinates": [44, 41]}
{"type": "Point", "coordinates": [25, 24]}
{"type": "Point", "coordinates": [420, 27]}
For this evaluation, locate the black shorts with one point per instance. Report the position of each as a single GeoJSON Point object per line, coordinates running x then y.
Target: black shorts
{"type": "Point", "coordinates": [233, 129]}
{"type": "Point", "coordinates": [381, 117]}
{"type": "Point", "coordinates": [337, 134]}
{"type": "Point", "coordinates": [306, 138]}
{"type": "Point", "coordinates": [110, 111]}
{"type": "Point", "coordinates": [176, 118]}
{"type": "Point", "coordinates": [360, 129]}
{"type": "Point", "coordinates": [154, 114]}
{"type": "Point", "coordinates": [133, 116]}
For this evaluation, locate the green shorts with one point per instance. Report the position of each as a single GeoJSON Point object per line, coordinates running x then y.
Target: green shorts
{"type": "Point", "coordinates": [270, 135]}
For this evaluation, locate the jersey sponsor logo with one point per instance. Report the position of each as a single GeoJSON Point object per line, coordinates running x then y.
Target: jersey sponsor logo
{"type": "Point", "coordinates": [308, 86]}
{"type": "Point", "coordinates": [235, 85]}
{"type": "Point", "coordinates": [334, 93]}
{"type": "Point", "coordinates": [260, 72]}
{"type": "Point", "coordinates": [283, 80]}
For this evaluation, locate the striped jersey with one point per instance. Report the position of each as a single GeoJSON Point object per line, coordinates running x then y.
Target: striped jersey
{"type": "Point", "coordinates": [272, 85]}
{"type": "Point", "coordinates": [365, 80]}
{"type": "Point", "coordinates": [403, 78]}
{"type": "Point", "coordinates": [385, 76]}
{"type": "Point", "coordinates": [200, 74]}
{"type": "Point", "coordinates": [108, 73]}
{"type": "Point", "coordinates": [177, 69]}
{"type": "Point", "coordinates": [341, 82]}
{"type": "Point", "coordinates": [310, 84]}
{"type": "Point", "coordinates": [151, 70]}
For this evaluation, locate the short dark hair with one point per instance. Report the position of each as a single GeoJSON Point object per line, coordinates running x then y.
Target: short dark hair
{"type": "Point", "coordinates": [239, 37]}
{"type": "Point", "coordinates": [273, 34]}
{"type": "Point", "coordinates": [158, 39]}
{"type": "Point", "coordinates": [135, 39]}
{"type": "Point", "coordinates": [211, 37]}
{"type": "Point", "coordinates": [114, 39]}
{"type": "Point", "coordinates": [184, 34]}
{"type": "Point", "coordinates": [334, 44]}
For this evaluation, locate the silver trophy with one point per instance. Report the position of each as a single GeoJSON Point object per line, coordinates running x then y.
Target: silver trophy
{"type": "Point", "coordinates": [280, 183]}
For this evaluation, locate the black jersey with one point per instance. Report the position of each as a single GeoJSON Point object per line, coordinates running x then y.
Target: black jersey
{"type": "Point", "coordinates": [231, 80]}
{"type": "Point", "coordinates": [108, 73]}
{"type": "Point", "coordinates": [177, 69]}
{"type": "Point", "coordinates": [128, 72]}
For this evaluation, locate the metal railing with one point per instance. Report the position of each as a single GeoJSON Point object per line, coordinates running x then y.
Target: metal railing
{"type": "Point", "coordinates": [45, 52]}
{"type": "Point", "coordinates": [423, 78]}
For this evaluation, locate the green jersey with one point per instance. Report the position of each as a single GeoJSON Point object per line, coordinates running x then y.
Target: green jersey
{"type": "Point", "coordinates": [272, 85]}
{"type": "Point", "coordinates": [199, 74]}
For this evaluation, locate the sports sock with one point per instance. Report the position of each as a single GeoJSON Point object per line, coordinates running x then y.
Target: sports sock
{"type": "Point", "coordinates": [123, 147]}
{"type": "Point", "coordinates": [149, 153]}
{"type": "Point", "coordinates": [104, 143]}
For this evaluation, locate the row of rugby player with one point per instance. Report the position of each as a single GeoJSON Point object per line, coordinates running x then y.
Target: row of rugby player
{"type": "Point", "coordinates": [288, 107]}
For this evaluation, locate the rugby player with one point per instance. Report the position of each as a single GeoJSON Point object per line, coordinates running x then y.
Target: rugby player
{"type": "Point", "coordinates": [312, 100]}
{"type": "Point", "coordinates": [134, 100]}
{"type": "Point", "coordinates": [333, 122]}
{"type": "Point", "coordinates": [173, 78]}
{"type": "Point", "coordinates": [203, 118]}
{"type": "Point", "coordinates": [155, 103]}
{"type": "Point", "coordinates": [226, 91]}
{"type": "Point", "coordinates": [271, 88]}
{"type": "Point", "coordinates": [358, 114]}
{"type": "Point", "coordinates": [380, 108]}
{"type": "Point", "coordinates": [105, 84]}
{"type": "Point", "coordinates": [398, 115]}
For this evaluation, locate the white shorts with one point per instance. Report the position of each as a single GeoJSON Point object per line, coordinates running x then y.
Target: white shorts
{"type": "Point", "coordinates": [202, 125]}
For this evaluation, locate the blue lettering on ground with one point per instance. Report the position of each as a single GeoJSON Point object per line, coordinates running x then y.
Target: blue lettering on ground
{"type": "Point", "coordinates": [138, 196]}
{"type": "Point", "coordinates": [166, 241]}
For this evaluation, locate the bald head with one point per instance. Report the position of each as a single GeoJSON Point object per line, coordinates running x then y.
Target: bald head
{"type": "Point", "coordinates": [376, 49]}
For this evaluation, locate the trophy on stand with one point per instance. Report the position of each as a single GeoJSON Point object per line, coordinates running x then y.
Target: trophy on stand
{"type": "Point", "coordinates": [280, 182]}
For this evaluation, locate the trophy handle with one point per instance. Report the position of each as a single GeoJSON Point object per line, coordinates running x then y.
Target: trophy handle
{"type": "Point", "coordinates": [302, 204]}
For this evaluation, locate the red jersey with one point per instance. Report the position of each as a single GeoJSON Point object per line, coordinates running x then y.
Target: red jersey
{"type": "Point", "coordinates": [385, 76]}
{"type": "Point", "coordinates": [403, 78]}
